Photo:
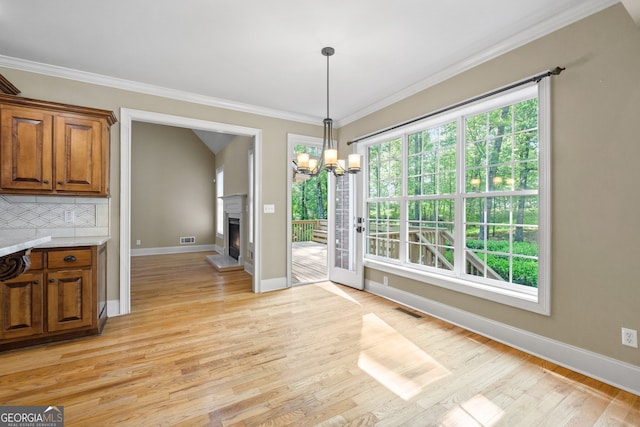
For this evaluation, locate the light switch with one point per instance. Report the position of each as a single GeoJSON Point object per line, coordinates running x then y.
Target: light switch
{"type": "Point", "coordinates": [269, 208]}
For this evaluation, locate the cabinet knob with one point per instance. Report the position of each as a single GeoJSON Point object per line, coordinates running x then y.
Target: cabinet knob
{"type": "Point", "coordinates": [52, 280]}
{"type": "Point", "coordinates": [46, 181]}
{"type": "Point", "coordinates": [69, 258]}
{"type": "Point", "coordinates": [36, 282]}
{"type": "Point", "coordinates": [59, 182]}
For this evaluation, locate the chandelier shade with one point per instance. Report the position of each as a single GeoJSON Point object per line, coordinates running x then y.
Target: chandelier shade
{"type": "Point", "coordinates": [328, 159]}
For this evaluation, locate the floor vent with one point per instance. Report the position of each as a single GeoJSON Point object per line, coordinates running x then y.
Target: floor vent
{"type": "Point", "coordinates": [410, 313]}
{"type": "Point", "coordinates": [187, 240]}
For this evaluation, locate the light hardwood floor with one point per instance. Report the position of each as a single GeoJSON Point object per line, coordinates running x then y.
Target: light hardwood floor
{"type": "Point", "coordinates": [201, 349]}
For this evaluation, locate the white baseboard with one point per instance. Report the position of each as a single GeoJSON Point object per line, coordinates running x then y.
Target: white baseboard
{"type": "Point", "coordinates": [113, 307]}
{"type": "Point", "coordinates": [172, 250]}
{"type": "Point", "coordinates": [603, 368]}
{"type": "Point", "coordinates": [248, 268]}
{"type": "Point", "coordinates": [277, 284]}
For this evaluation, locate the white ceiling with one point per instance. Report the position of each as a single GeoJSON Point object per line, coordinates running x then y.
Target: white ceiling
{"type": "Point", "coordinates": [264, 56]}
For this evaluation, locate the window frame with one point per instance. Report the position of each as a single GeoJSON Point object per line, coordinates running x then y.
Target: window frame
{"type": "Point", "coordinates": [220, 202]}
{"type": "Point", "coordinates": [527, 298]}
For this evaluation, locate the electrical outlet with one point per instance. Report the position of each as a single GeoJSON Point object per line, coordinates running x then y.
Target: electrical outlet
{"type": "Point", "coordinates": [630, 337]}
{"type": "Point", "coordinates": [138, 242]}
{"type": "Point", "coordinates": [385, 280]}
{"type": "Point", "coordinates": [69, 216]}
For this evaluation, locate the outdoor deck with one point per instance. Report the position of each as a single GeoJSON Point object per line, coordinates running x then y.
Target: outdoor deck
{"type": "Point", "coordinates": [308, 262]}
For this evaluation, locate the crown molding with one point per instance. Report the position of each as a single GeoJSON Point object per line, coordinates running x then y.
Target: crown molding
{"type": "Point", "coordinates": [535, 32]}
{"type": "Point", "coordinates": [561, 20]}
{"type": "Point", "coordinates": [129, 85]}
{"type": "Point", "coordinates": [633, 8]}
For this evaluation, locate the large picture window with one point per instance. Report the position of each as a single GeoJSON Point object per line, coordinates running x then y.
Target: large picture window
{"type": "Point", "coordinates": [461, 200]}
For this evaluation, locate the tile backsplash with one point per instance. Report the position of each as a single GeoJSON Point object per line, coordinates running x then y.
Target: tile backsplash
{"type": "Point", "coordinates": [29, 216]}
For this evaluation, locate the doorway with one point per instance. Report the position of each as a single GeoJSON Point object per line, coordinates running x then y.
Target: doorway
{"type": "Point", "coordinates": [307, 210]}
{"type": "Point", "coordinates": [127, 116]}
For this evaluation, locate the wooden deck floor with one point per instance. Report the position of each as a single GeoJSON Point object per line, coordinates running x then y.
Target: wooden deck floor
{"type": "Point", "coordinates": [309, 262]}
{"type": "Point", "coordinates": [200, 349]}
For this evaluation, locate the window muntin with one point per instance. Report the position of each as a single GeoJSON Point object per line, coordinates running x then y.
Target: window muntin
{"type": "Point", "coordinates": [383, 229]}
{"type": "Point", "coordinates": [475, 173]}
{"type": "Point", "coordinates": [501, 198]}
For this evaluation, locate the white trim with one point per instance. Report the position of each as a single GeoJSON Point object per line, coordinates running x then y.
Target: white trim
{"type": "Point", "coordinates": [603, 368]}
{"type": "Point", "coordinates": [113, 308]}
{"type": "Point", "coordinates": [248, 268]}
{"type": "Point", "coordinates": [172, 250]}
{"type": "Point", "coordinates": [129, 115]}
{"type": "Point", "coordinates": [584, 9]}
{"type": "Point", "coordinates": [277, 284]}
{"type": "Point", "coordinates": [113, 82]}
{"type": "Point", "coordinates": [561, 20]}
{"type": "Point", "coordinates": [536, 300]}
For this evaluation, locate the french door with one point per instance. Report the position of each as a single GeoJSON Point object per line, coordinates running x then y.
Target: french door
{"type": "Point", "coordinates": [344, 243]}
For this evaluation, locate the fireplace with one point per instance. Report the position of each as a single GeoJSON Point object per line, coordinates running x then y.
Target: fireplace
{"type": "Point", "coordinates": [233, 230]}
{"type": "Point", "coordinates": [231, 257]}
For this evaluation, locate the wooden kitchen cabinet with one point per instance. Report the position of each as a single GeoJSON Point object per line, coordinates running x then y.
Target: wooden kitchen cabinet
{"type": "Point", "coordinates": [53, 149]}
{"type": "Point", "coordinates": [22, 306]}
{"type": "Point", "coordinates": [63, 296]}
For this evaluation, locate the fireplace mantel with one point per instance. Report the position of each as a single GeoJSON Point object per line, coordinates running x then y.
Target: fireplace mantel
{"type": "Point", "coordinates": [233, 203]}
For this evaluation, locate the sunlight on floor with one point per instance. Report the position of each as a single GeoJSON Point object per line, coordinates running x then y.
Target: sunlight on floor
{"type": "Point", "coordinates": [477, 411]}
{"type": "Point", "coordinates": [394, 361]}
{"type": "Point", "coordinates": [335, 289]}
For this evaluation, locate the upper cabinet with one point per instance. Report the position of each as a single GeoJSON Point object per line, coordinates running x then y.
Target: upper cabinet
{"type": "Point", "coordinates": [55, 149]}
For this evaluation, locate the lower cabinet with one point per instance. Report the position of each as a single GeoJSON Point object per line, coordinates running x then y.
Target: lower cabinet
{"type": "Point", "coordinates": [62, 296]}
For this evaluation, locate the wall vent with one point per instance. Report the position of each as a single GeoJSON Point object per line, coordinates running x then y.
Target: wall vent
{"type": "Point", "coordinates": [187, 240]}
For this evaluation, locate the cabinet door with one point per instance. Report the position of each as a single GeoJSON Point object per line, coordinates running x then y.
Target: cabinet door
{"type": "Point", "coordinates": [26, 149]}
{"type": "Point", "coordinates": [21, 302]}
{"type": "Point", "coordinates": [69, 300]}
{"type": "Point", "coordinates": [79, 155]}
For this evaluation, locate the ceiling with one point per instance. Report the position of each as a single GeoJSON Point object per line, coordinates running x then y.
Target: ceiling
{"type": "Point", "coordinates": [264, 56]}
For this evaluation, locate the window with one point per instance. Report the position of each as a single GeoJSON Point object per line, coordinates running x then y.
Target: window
{"type": "Point", "coordinates": [219, 201]}
{"type": "Point", "coordinates": [461, 200]}
{"type": "Point", "coordinates": [250, 197]}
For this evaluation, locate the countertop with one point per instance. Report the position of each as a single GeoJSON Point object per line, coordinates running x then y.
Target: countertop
{"type": "Point", "coordinates": [64, 242]}
{"type": "Point", "coordinates": [9, 246]}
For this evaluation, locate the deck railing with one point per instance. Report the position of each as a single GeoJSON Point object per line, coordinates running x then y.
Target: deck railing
{"type": "Point", "coordinates": [302, 231]}
{"type": "Point", "coordinates": [428, 246]}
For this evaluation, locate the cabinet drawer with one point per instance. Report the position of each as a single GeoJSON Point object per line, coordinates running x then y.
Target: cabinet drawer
{"type": "Point", "coordinates": [69, 259]}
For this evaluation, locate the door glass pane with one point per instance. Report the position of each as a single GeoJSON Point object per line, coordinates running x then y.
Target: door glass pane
{"type": "Point", "coordinates": [344, 231]}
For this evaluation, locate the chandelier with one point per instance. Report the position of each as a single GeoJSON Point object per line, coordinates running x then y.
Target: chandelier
{"type": "Point", "coordinates": [328, 159]}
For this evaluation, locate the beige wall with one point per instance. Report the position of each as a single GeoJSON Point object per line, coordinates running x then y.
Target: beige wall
{"type": "Point", "coordinates": [595, 174]}
{"type": "Point", "coordinates": [274, 136]}
{"type": "Point", "coordinates": [172, 187]}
